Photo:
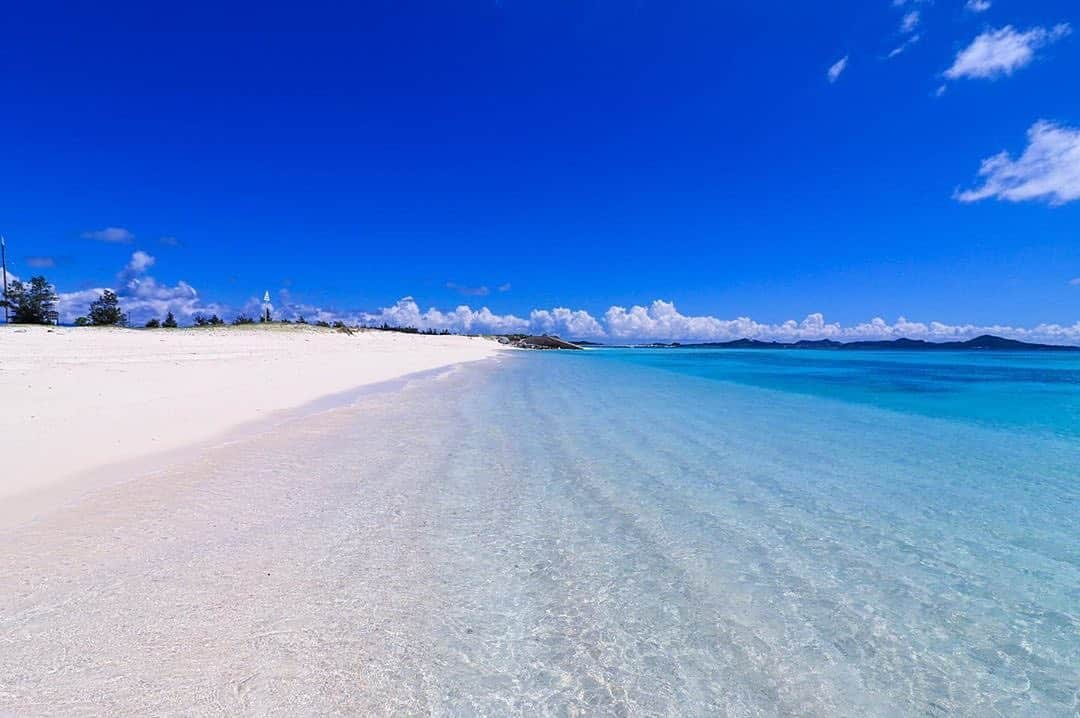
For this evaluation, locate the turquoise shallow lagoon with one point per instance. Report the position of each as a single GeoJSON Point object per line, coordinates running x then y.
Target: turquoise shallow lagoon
{"type": "Point", "coordinates": [668, 532]}
{"type": "Point", "coordinates": [824, 533]}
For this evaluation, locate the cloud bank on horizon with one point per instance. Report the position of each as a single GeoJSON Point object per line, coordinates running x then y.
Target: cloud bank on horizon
{"type": "Point", "coordinates": [662, 321]}
{"type": "Point", "coordinates": [143, 297]}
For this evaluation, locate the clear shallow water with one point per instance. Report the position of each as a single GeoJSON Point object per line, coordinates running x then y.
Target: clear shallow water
{"type": "Point", "coordinates": [645, 533]}
{"type": "Point", "coordinates": [873, 534]}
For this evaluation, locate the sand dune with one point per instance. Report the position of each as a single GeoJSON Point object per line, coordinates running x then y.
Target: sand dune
{"type": "Point", "coordinates": [77, 399]}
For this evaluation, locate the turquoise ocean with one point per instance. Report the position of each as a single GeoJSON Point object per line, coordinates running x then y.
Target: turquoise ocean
{"type": "Point", "coordinates": [782, 532]}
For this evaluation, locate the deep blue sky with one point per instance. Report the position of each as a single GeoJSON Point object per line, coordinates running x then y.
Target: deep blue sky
{"type": "Point", "coordinates": [587, 153]}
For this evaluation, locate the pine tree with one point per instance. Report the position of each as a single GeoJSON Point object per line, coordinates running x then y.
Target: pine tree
{"type": "Point", "coordinates": [105, 311]}
{"type": "Point", "coordinates": [30, 303]}
{"type": "Point", "coordinates": [170, 321]}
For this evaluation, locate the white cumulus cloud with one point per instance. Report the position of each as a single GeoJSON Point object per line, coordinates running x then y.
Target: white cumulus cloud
{"type": "Point", "coordinates": [465, 320]}
{"type": "Point", "coordinates": [978, 5]}
{"type": "Point", "coordinates": [141, 296]}
{"type": "Point", "coordinates": [662, 321]}
{"type": "Point", "coordinates": [1048, 170]}
{"type": "Point", "coordinates": [1002, 52]}
{"type": "Point", "coordinates": [565, 322]}
{"type": "Point", "coordinates": [140, 262]}
{"type": "Point", "coordinates": [406, 313]}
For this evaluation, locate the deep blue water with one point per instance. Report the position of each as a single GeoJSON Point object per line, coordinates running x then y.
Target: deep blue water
{"type": "Point", "coordinates": [1029, 391]}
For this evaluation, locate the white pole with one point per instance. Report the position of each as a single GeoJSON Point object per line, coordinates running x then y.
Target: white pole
{"type": "Point", "coordinates": [3, 269]}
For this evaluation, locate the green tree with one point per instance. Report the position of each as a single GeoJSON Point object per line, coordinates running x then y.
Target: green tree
{"type": "Point", "coordinates": [243, 319]}
{"type": "Point", "coordinates": [153, 323]}
{"type": "Point", "coordinates": [82, 322]}
{"type": "Point", "coordinates": [30, 303]}
{"type": "Point", "coordinates": [170, 321]}
{"type": "Point", "coordinates": [105, 311]}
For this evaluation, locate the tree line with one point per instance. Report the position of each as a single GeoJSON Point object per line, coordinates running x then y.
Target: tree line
{"type": "Point", "coordinates": [34, 302]}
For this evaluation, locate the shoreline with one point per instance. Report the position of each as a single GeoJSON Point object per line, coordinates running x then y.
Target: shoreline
{"type": "Point", "coordinates": [491, 536]}
{"type": "Point", "coordinates": [88, 407]}
{"type": "Point", "coordinates": [197, 589]}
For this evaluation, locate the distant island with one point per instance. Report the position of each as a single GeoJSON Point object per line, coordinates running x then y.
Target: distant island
{"type": "Point", "coordinates": [986, 342]}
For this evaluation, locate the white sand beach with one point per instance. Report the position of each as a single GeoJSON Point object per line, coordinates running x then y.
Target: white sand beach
{"type": "Point", "coordinates": [78, 399]}
{"type": "Point", "coordinates": [191, 582]}
{"type": "Point", "coordinates": [553, 534]}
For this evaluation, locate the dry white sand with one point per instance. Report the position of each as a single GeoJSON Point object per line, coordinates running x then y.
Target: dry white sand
{"type": "Point", "coordinates": [77, 399]}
